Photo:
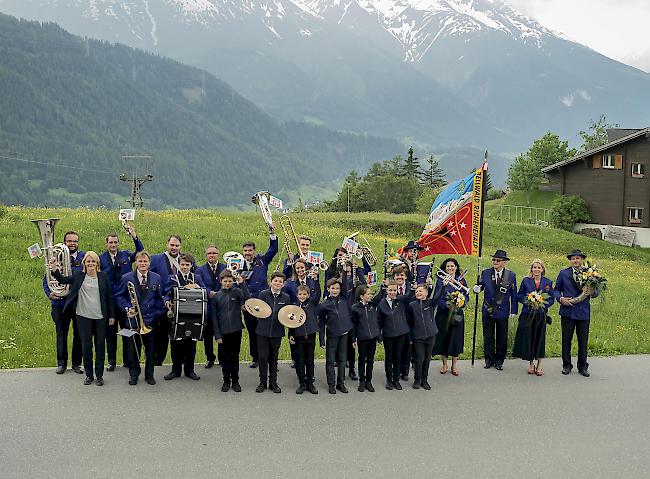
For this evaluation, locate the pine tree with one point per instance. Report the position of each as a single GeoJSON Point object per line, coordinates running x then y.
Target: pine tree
{"type": "Point", "coordinates": [411, 167]}
{"type": "Point", "coordinates": [432, 176]}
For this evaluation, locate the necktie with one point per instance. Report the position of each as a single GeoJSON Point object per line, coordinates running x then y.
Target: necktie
{"type": "Point", "coordinates": [143, 284]}
{"type": "Point", "coordinates": [401, 290]}
{"type": "Point", "coordinates": [186, 279]}
{"type": "Point", "coordinates": [498, 277]}
{"type": "Point", "coordinates": [214, 269]}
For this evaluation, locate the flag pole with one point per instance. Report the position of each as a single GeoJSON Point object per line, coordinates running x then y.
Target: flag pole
{"type": "Point", "coordinates": [480, 255]}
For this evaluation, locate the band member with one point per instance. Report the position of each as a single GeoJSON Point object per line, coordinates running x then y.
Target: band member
{"type": "Point", "coordinates": [573, 316]}
{"type": "Point", "coordinates": [406, 294]}
{"type": "Point", "coordinates": [257, 281]}
{"type": "Point", "coordinates": [116, 263]}
{"type": "Point", "coordinates": [269, 334]}
{"type": "Point", "coordinates": [62, 320]}
{"type": "Point", "coordinates": [227, 323]}
{"type": "Point", "coordinates": [391, 313]}
{"type": "Point", "coordinates": [366, 332]}
{"type": "Point", "coordinates": [422, 334]}
{"type": "Point", "coordinates": [334, 322]}
{"type": "Point", "coordinates": [450, 339]}
{"type": "Point", "coordinates": [210, 273]}
{"type": "Point", "coordinates": [530, 340]}
{"type": "Point", "coordinates": [304, 243]}
{"type": "Point", "coordinates": [91, 300]}
{"type": "Point", "coordinates": [149, 292]}
{"type": "Point", "coordinates": [183, 351]}
{"type": "Point", "coordinates": [304, 337]}
{"type": "Point", "coordinates": [499, 303]}
{"type": "Point", "coordinates": [416, 273]}
{"type": "Point", "coordinates": [166, 266]}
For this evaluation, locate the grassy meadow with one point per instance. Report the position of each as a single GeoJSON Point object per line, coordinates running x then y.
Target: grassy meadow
{"type": "Point", "coordinates": [27, 336]}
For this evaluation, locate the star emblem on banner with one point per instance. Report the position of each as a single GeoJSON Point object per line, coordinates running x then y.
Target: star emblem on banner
{"type": "Point", "coordinates": [453, 233]}
{"type": "Point", "coordinates": [462, 225]}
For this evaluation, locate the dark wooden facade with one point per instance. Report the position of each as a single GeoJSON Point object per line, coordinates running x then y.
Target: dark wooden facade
{"type": "Point", "coordinates": [614, 180]}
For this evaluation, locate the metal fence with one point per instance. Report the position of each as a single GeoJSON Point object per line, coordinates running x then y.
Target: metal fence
{"type": "Point", "coordinates": [524, 214]}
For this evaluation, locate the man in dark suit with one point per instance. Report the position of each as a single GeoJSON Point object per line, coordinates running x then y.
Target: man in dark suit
{"type": "Point", "coordinates": [209, 273]}
{"type": "Point", "coordinates": [499, 303]}
{"type": "Point", "coordinates": [117, 263]}
{"type": "Point", "coordinates": [62, 320]}
{"type": "Point", "coordinates": [150, 293]}
{"type": "Point", "coordinates": [166, 265]}
{"type": "Point", "coordinates": [258, 266]}
{"type": "Point", "coordinates": [574, 316]}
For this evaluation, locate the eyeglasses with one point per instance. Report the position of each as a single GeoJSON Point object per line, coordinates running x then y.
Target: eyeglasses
{"type": "Point", "coordinates": [497, 260]}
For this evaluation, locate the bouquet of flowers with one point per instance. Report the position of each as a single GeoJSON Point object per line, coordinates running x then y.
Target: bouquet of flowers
{"type": "Point", "coordinates": [591, 280]}
{"type": "Point", "coordinates": [536, 300]}
{"type": "Point", "coordinates": [455, 302]}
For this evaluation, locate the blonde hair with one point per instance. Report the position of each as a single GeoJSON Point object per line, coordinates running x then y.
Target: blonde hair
{"type": "Point", "coordinates": [536, 261]}
{"type": "Point", "coordinates": [93, 255]}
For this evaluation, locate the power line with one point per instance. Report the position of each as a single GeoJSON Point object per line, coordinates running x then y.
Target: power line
{"type": "Point", "coordinates": [59, 165]}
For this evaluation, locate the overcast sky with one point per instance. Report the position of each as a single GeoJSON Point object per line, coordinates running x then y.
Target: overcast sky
{"type": "Point", "coordinates": [616, 28]}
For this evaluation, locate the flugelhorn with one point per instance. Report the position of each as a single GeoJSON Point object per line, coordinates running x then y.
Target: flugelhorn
{"type": "Point", "coordinates": [451, 280]}
{"type": "Point", "coordinates": [136, 305]}
{"type": "Point", "coordinates": [261, 199]}
{"type": "Point", "coordinates": [59, 251]}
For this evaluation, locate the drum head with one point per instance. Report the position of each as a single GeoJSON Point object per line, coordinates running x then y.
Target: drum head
{"type": "Point", "coordinates": [258, 308]}
{"type": "Point", "coordinates": [292, 316]}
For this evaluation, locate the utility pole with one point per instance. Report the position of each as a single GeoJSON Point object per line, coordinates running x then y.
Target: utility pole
{"type": "Point", "coordinates": [348, 197]}
{"type": "Point", "coordinates": [136, 178]}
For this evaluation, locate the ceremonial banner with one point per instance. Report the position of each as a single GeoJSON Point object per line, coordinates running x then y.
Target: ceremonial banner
{"type": "Point", "coordinates": [454, 225]}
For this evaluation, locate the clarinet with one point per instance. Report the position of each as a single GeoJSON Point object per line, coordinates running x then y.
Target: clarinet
{"type": "Point", "coordinates": [385, 258]}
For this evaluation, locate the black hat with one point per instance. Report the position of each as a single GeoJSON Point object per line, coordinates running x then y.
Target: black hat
{"type": "Point", "coordinates": [501, 255]}
{"type": "Point", "coordinates": [576, 252]}
{"type": "Point", "coordinates": [413, 245]}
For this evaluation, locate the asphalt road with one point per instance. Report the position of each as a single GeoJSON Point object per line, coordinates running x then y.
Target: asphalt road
{"type": "Point", "coordinates": [483, 424]}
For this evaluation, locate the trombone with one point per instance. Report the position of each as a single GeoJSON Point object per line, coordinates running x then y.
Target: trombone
{"type": "Point", "coordinates": [136, 305]}
{"type": "Point", "coordinates": [290, 241]}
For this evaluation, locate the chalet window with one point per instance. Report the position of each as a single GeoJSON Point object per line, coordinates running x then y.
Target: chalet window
{"type": "Point", "coordinates": [638, 170]}
{"type": "Point", "coordinates": [635, 215]}
{"type": "Point", "coordinates": [609, 162]}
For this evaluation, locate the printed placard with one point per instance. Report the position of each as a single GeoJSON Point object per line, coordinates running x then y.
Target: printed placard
{"type": "Point", "coordinates": [246, 274]}
{"type": "Point", "coordinates": [275, 202]}
{"type": "Point", "coordinates": [372, 278]}
{"type": "Point", "coordinates": [127, 333]}
{"type": "Point", "coordinates": [350, 245]}
{"type": "Point", "coordinates": [127, 214]}
{"type": "Point", "coordinates": [235, 264]}
{"type": "Point", "coordinates": [34, 251]}
{"type": "Point", "coordinates": [315, 257]}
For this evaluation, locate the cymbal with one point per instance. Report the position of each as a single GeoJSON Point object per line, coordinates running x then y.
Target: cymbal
{"type": "Point", "coordinates": [258, 308]}
{"type": "Point", "coordinates": [292, 316]}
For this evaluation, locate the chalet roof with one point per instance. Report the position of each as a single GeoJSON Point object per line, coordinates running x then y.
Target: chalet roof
{"type": "Point", "coordinates": [606, 146]}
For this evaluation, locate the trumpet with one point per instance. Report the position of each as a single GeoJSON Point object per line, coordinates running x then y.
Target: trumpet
{"type": "Point", "coordinates": [136, 305]}
{"type": "Point", "coordinates": [451, 280]}
{"type": "Point", "coordinates": [59, 251]}
{"type": "Point", "coordinates": [261, 199]}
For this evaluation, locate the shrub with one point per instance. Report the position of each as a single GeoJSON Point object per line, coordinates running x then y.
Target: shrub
{"type": "Point", "coordinates": [495, 194]}
{"type": "Point", "coordinates": [566, 211]}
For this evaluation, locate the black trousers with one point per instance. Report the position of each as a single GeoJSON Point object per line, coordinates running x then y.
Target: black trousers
{"type": "Point", "coordinates": [161, 338]}
{"type": "Point", "coordinates": [495, 339]}
{"type": "Point", "coordinates": [267, 350]}
{"type": "Point", "coordinates": [111, 336]}
{"type": "Point", "coordinates": [251, 325]}
{"type": "Point", "coordinates": [304, 350]}
{"type": "Point", "coordinates": [90, 329]}
{"type": "Point", "coordinates": [406, 357]}
{"type": "Point", "coordinates": [62, 325]}
{"type": "Point", "coordinates": [581, 328]}
{"type": "Point", "coordinates": [336, 351]}
{"type": "Point", "coordinates": [208, 341]}
{"type": "Point", "coordinates": [134, 351]}
{"type": "Point", "coordinates": [393, 356]}
{"type": "Point", "coordinates": [367, 349]}
{"type": "Point", "coordinates": [351, 353]}
{"type": "Point", "coordinates": [230, 348]}
{"type": "Point", "coordinates": [183, 353]}
{"type": "Point", "coordinates": [422, 349]}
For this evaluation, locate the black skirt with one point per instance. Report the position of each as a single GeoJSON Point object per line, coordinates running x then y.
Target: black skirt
{"type": "Point", "coordinates": [530, 340]}
{"type": "Point", "coordinates": [450, 339]}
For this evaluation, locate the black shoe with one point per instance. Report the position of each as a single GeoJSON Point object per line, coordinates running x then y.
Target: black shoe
{"type": "Point", "coordinates": [353, 374]}
{"type": "Point", "coordinates": [253, 365]}
{"type": "Point", "coordinates": [389, 385]}
{"type": "Point", "coordinates": [60, 369]}
{"type": "Point", "coordinates": [151, 381]}
{"type": "Point", "coordinates": [88, 381]}
{"type": "Point", "coordinates": [193, 376]}
{"type": "Point", "coordinates": [99, 382]}
{"type": "Point", "coordinates": [397, 385]}
{"type": "Point", "coordinates": [260, 388]}
{"type": "Point", "coordinates": [209, 364]}
{"type": "Point", "coordinates": [498, 367]}
{"type": "Point", "coordinates": [172, 375]}
{"type": "Point", "coordinates": [362, 386]}
{"type": "Point", "coordinates": [487, 366]}
{"type": "Point", "coordinates": [111, 367]}
{"type": "Point", "coordinates": [426, 385]}
{"type": "Point", "coordinates": [369, 387]}
{"type": "Point", "coordinates": [293, 364]}
{"type": "Point", "coordinates": [342, 388]}
{"type": "Point", "coordinates": [236, 387]}
{"type": "Point", "coordinates": [133, 381]}
{"type": "Point", "coordinates": [566, 370]}
{"type": "Point", "coordinates": [301, 389]}
{"type": "Point", "coordinates": [405, 377]}
{"type": "Point", "coordinates": [226, 387]}
{"type": "Point", "coordinates": [275, 388]}
{"type": "Point", "coordinates": [77, 369]}
{"type": "Point", "coordinates": [416, 384]}
{"type": "Point", "coordinates": [312, 389]}
{"type": "Point", "coordinates": [332, 389]}
{"type": "Point", "coordinates": [584, 372]}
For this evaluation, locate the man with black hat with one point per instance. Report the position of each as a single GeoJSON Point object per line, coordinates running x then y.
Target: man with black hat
{"type": "Point", "coordinates": [574, 316]}
{"type": "Point", "coordinates": [499, 303]}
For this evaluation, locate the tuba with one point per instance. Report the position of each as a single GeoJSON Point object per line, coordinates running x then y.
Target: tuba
{"type": "Point", "coordinates": [261, 199]}
{"type": "Point", "coordinates": [59, 251]}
